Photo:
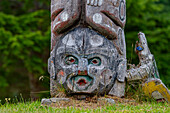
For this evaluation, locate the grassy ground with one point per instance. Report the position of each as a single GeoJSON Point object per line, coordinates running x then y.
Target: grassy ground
{"type": "Point", "coordinates": [35, 107]}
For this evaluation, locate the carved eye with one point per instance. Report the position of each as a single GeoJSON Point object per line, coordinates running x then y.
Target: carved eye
{"type": "Point", "coordinates": [95, 61]}
{"type": "Point", "coordinates": [71, 60]}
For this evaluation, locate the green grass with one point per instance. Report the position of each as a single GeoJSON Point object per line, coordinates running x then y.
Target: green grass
{"type": "Point", "coordinates": [35, 107]}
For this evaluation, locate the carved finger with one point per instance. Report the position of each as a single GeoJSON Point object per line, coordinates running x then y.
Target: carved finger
{"type": "Point", "coordinates": [92, 2]}
{"type": "Point", "coordinates": [88, 2]}
{"type": "Point", "coordinates": [115, 2]}
{"type": "Point", "coordinates": [100, 2]}
{"type": "Point", "coordinates": [95, 2]}
{"type": "Point", "coordinates": [116, 13]}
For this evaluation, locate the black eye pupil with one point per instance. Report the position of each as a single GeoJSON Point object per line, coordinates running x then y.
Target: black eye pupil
{"type": "Point", "coordinates": [72, 60]}
{"type": "Point", "coordinates": [95, 61]}
{"type": "Point", "coordinates": [69, 60]}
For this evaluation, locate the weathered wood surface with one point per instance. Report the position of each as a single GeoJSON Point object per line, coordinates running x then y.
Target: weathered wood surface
{"type": "Point", "coordinates": [107, 17]}
{"type": "Point", "coordinates": [147, 72]}
{"type": "Point", "coordinates": [88, 51]}
{"type": "Point", "coordinates": [85, 62]}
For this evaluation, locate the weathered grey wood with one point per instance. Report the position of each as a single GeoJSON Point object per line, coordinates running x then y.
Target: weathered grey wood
{"type": "Point", "coordinates": [147, 67]}
{"type": "Point", "coordinates": [87, 46]}
{"type": "Point", "coordinates": [96, 61]}
{"type": "Point", "coordinates": [147, 72]}
{"type": "Point", "coordinates": [88, 51]}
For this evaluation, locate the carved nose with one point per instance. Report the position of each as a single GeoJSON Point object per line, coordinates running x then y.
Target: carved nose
{"type": "Point", "coordinates": [82, 67]}
{"type": "Point", "coordinates": [82, 72]}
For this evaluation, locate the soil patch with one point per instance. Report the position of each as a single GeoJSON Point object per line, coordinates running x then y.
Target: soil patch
{"type": "Point", "coordinates": [92, 102]}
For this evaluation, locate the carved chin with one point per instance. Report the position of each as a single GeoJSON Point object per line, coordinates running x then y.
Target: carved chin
{"type": "Point", "coordinates": [80, 83]}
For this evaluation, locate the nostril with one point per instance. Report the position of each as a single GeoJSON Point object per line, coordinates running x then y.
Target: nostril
{"type": "Point", "coordinates": [82, 72]}
{"type": "Point", "coordinates": [85, 72]}
{"type": "Point", "coordinates": [79, 72]}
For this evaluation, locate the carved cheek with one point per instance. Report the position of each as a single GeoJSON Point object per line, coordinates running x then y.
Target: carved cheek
{"type": "Point", "coordinates": [92, 71]}
{"type": "Point", "coordinates": [61, 76]}
{"type": "Point", "coordinates": [95, 70]}
{"type": "Point", "coordinates": [75, 68]}
{"type": "Point", "coordinates": [70, 69]}
{"type": "Point", "coordinates": [106, 76]}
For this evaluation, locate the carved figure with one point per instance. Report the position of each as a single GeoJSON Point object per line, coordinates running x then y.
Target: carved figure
{"type": "Point", "coordinates": [147, 72]}
{"type": "Point", "coordinates": [88, 51]}
{"type": "Point", "coordinates": [103, 16]}
{"type": "Point", "coordinates": [86, 62]}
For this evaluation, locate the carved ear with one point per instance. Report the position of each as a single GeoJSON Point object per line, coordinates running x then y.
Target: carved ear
{"type": "Point", "coordinates": [118, 89]}
{"type": "Point", "coordinates": [49, 64]}
{"type": "Point", "coordinates": [51, 67]}
{"type": "Point", "coordinates": [121, 70]}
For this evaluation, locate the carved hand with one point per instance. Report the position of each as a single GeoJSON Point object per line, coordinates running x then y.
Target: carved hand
{"type": "Point", "coordinates": [64, 14]}
{"type": "Point", "coordinates": [142, 49]}
{"type": "Point", "coordinates": [95, 2]}
{"type": "Point", "coordinates": [147, 66]}
{"type": "Point", "coordinates": [106, 16]}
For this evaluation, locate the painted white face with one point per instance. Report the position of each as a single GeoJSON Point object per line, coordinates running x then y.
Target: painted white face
{"type": "Point", "coordinates": [85, 62]}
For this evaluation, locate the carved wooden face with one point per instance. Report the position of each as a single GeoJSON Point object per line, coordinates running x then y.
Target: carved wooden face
{"type": "Point", "coordinates": [85, 62]}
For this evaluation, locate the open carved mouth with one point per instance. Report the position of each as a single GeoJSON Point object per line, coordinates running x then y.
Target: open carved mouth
{"type": "Point", "coordinates": [81, 82]}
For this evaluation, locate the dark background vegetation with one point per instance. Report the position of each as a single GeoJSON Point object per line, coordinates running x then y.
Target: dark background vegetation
{"type": "Point", "coordinates": [25, 42]}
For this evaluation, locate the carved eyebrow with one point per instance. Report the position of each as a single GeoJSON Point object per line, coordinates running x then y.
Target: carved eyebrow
{"type": "Point", "coordinates": [67, 50]}
{"type": "Point", "coordinates": [103, 51]}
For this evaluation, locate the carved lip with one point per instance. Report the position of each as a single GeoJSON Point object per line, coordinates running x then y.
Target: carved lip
{"type": "Point", "coordinates": [81, 82]}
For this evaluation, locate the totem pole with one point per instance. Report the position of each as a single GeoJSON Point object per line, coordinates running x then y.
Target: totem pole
{"type": "Point", "coordinates": [88, 50]}
{"type": "Point", "coordinates": [88, 53]}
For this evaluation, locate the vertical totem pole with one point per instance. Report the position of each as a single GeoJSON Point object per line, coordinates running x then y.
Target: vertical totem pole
{"type": "Point", "coordinates": [88, 51]}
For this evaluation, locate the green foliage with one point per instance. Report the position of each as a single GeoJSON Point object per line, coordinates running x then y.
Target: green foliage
{"type": "Point", "coordinates": [24, 41]}
{"type": "Point", "coordinates": [3, 82]}
{"type": "Point", "coordinates": [20, 7]}
{"type": "Point", "coordinates": [24, 45]}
